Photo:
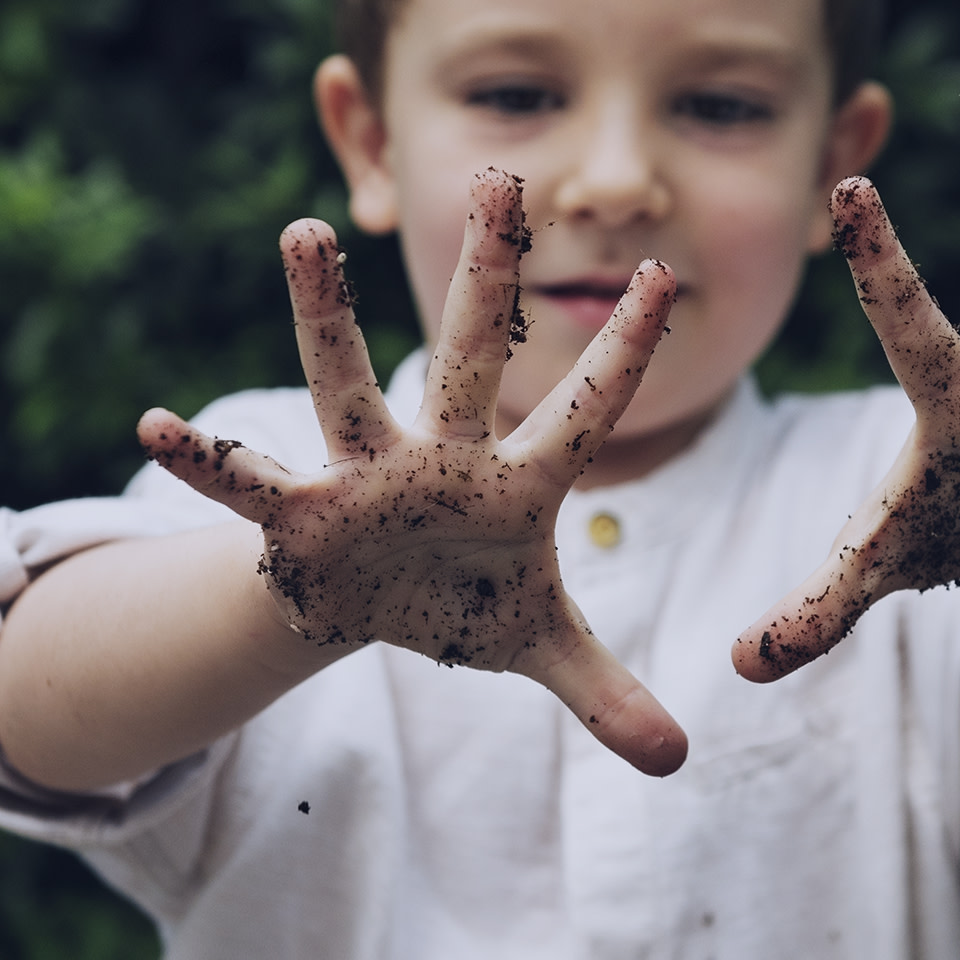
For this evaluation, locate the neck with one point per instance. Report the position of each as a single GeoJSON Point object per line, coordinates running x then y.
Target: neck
{"type": "Point", "coordinates": [633, 458]}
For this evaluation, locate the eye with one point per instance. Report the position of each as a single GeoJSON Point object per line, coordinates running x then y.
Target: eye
{"type": "Point", "coordinates": [515, 99]}
{"type": "Point", "coordinates": [722, 110]}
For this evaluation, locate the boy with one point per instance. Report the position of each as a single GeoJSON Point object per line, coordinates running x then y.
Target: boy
{"type": "Point", "coordinates": [182, 707]}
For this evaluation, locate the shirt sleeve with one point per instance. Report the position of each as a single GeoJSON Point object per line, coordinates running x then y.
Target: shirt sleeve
{"type": "Point", "coordinates": [279, 422]}
{"type": "Point", "coordinates": [32, 540]}
{"type": "Point", "coordinates": [155, 503]}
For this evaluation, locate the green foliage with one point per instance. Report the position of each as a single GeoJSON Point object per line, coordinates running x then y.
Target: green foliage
{"type": "Point", "coordinates": [52, 908]}
{"type": "Point", "coordinates": [150, 153]}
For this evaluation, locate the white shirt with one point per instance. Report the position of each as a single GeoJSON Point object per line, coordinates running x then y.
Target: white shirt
{"type": "Point", "coordinates": [456, 815]}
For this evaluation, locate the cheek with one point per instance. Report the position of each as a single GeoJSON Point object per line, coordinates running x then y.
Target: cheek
{"type": "Point", "coordinates": [757, 250]}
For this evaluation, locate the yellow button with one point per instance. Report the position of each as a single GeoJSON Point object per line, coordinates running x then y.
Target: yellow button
{"type": "Point", "coordinates": [605, 530]}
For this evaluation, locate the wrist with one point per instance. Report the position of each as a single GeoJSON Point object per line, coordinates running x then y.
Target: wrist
{"type": "Point", "coordinates": [277, 643]}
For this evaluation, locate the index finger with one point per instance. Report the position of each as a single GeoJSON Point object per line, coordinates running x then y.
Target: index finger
{"type": "Point", "coordinates": [921, 345]}
{"type": "Point", "coordinates": [347, 399]}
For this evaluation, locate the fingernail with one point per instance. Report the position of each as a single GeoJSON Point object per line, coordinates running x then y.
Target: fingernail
{"type": "Point", "coordinates": [855, 232]}
{"type": "Point", "coordinates": [496, 220]}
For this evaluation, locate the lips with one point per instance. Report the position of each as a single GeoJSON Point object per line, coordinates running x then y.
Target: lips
{"type": "Point", "coordinates": [588, 303]}
{"type": "Point", "coordinates": [578, 289]}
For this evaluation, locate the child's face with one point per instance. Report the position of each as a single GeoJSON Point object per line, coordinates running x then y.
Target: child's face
{"type": "Point", "coordinates": [695, 131]}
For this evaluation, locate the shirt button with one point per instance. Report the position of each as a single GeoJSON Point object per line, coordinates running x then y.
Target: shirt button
{"type": "Point", "coordinates": [605, 530]}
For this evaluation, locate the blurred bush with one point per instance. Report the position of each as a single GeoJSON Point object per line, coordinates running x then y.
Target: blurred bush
{"type": "Point", "coordinates": [52, 908]}
{"type": "Point", "coordinates": [151, 151]}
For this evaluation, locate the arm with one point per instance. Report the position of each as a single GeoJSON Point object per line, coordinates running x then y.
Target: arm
{"type": "Point", "coordinates": [906, 535]}
{"type": "Point", "coordinates": [138, 653]}
{"type": "Point", "coordinates": [438, 538]}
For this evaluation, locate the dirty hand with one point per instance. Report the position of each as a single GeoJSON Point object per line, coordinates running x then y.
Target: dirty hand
{"type": "Point", "coordinates": [906, 535]}
{"type": "Point", "coordinates": [440, 537]}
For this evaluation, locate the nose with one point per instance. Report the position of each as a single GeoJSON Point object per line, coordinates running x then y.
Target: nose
{"type": "Point", "coordinates": [615, 176]}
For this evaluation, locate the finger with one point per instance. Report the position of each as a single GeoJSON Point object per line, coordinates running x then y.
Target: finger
{"type": "Point", "coordinates": [865, 564]}
{"type": "Point", "coordinates": [570, 424]}
{"type": "Point", "coordinates": [807, 623]}
{"type": "Point", "coordinates": [480, 313]}
{"type": "Point", "coordinates": [921, 345]}
{"type": "Point", "coordinates": [614, 706]}
{"type": "Point", "coordinates": [251, 484]}
{"type": "Point", "coordinates": [349, 405]}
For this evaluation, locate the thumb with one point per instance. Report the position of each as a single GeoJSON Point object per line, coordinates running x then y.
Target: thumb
{"type": "Point", "coordinates": [805, 624]}
{"type": "Point", "coordinates": [616, 708]}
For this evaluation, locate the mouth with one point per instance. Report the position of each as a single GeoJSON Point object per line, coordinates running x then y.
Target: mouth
{"type": "Point", "coordinates": [578, 289]}
{"type": "Point", "coordinates": [589, 303]}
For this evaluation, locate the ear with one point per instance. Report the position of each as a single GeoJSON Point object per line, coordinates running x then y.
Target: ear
{"type": "Point", "coordinates": [354, 128]}
{"type": "Point", "coordinates": [858, 131]}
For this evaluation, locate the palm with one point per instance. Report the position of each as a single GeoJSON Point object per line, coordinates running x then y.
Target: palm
{"type": "Point", "coordinates": [439, 537]}
{"type": "Point", "coordinates": [432, 544]}
{"type": "Point", "coordinates": [906, 535]}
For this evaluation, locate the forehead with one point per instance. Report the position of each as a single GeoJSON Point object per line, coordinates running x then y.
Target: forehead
{"type": "Point", "coordinates": [778, 26]}
{"type": "Point", "coordinates": [599, 15]}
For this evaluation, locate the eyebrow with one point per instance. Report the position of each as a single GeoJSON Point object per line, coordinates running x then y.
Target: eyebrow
{"type": "Point", "coordinates": [718, 57]}
{"type": "Point", "coordinates": [702, 49]}
{"type": "Point", "coordinates": [711, 51]}
{"type": "Point", "coordinates": [518, 43]}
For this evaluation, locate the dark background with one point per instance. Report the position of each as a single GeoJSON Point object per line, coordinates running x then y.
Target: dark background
{"type": "Point", "coordinates": [151, 151]}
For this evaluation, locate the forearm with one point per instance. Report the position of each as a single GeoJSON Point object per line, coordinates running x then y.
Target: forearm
{"type": "Point", "coordinates": [138, 653]}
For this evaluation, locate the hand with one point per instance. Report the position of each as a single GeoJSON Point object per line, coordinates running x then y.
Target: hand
{"type": "Point", "coordinates": [440, 537]}
{"type": "Point", "coordinates": [906, 535]}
